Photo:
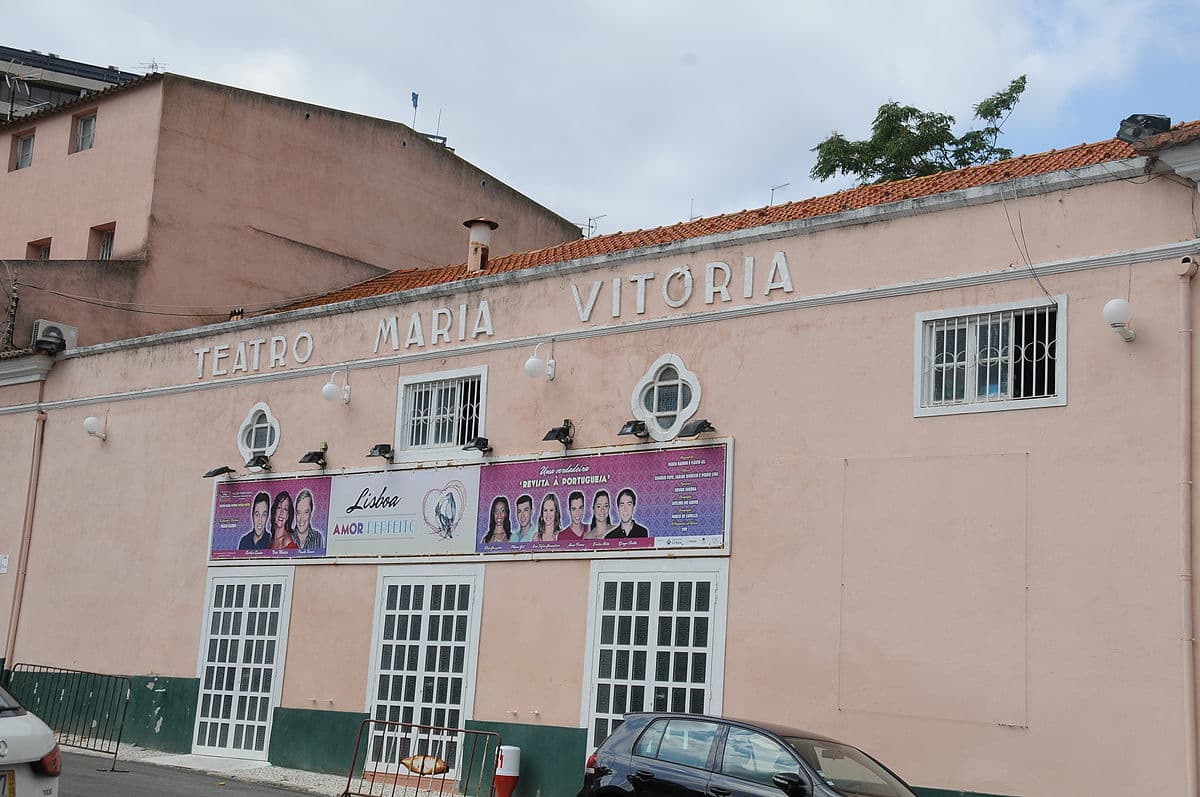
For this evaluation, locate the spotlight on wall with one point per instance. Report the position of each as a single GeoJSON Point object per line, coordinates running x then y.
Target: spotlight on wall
{"type": "Point", "coordinates": [635, 428]}
{"type": "Point", "coordinates": [221, 471]}
{"type": "Point", "coordinates": [564, 434]}
{"type": "Point", "coordinates": [381, 450]}
{"type": "Point", "coordinates": [479, 444]}
{"type": "Point", "coordinates": [259, 462]}
{"type": "Point", "coordinates": [316, 457]}
{"type": "Point", "coordinates": [1117, 313]}
{"type": "Point", "coordinates": [535, 366]}
{"type": "Point", "coordinates": [331, 391]}
{"type": "Point", "coordinates": [95, 427]}
{"type": "Point", "coordinates": [696, 427]}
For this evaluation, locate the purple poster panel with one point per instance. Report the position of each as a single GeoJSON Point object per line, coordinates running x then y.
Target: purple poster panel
{"type": "Point", "coordinates": [270, 518]}
{"type": "Point", "coordinates": [672, 498]}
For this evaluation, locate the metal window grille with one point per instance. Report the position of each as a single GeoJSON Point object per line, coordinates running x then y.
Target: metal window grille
{"type": "Point", "coordinates": [86, 133]}
{"type": "Point", "coordinates": [106, 245]}
{"type": "Point", "coordinates": [240, 664]}
{"type": "Point", "coordinates": [653, 649]}
{"type": "Point", "coordinates": [665, 396]}
{"type": "Point", "coordinates": [441, 414]}
{"type": "Point", "coordinates": [24, 152]}
{"type": "Point", "coordinates": [1004, 356]}
{"type": "Point", "coordinates": [423, 668]}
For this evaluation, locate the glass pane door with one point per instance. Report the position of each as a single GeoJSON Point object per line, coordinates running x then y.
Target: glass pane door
{"type": "Point", "coordinates": [242, 664]}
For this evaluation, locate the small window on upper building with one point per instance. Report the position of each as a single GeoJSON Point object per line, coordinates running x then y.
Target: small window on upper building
{"type": "Point", "coordinates": [21, 153]}
{"type": "Point", "coordinates": [38, 250]}
{"type": "Point", "coordinates": [83, 131]}
{"type": "Point", "coordinates": [441, 411]}
{"type": "Point", "coordinates": [998, 357]}
{"type": "Point", "coordinates": [259, 432]}
{"type": "Point", "coordinates": [100, 241]}
{"type": "Point", "coordinates": [666, 397]}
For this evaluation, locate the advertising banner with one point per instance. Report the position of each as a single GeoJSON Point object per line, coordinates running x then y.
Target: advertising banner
{"type": "Point", "coordinates": [404, 512]}
{"type": "Point", "coordinates": [667, 498]}
{"type": "Point", "coordinates": [602, 503]}
{"type": "Point", "coordinates": [271, 518]}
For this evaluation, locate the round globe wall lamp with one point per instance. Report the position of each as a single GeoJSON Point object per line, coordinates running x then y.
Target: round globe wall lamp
{"type": "Point", "coordinates": [535, 366]}
{"type": "Point", "coordinates": [331, 390]}
{"type": "Point", "coordinates": [95, 427]}
{"type": "Point", "coordinates": [1117, 313]}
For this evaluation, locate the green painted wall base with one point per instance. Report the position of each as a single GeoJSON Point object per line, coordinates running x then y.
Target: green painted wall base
{"type": "Point", "coordinates": [318, 741]}
{"type": "Point", "coordinates": [552, 757]}
{"type": "Point", "coordinates": [923, 791]}
{"type": "Point", "coordinates": [162, 713]}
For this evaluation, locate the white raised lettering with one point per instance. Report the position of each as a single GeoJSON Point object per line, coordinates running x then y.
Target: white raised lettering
{"type": "Point", "coordinates": [387, 329]}
{"type": "Point", "coordinates": [220, 352]}
{"type": "Point", "coordinates": [239, 358]}
{"type": "Point", "coordinates": [200, 361]}
{"type": "Point", "coordinates": [640, 301]}
{"type": "Point", "coordinates": [616, 298]}
{"type": "Point", "coordinates": [462, 322]}
{"type": "Point", "coordinates": [585, 313]}
{"type": "Point", "coordinates": [254, 351]}
{"type": "Point", "coordinates": [711, 288]}
{"type": "Point", "coordinates": [748, 278]}
{"type": "Point", "coordinates": [415, 335]}
{"type": "Point", "coordinates": [483, 320]}
{"type": "Point", "coordinates": [684, 273]}
{"type": "Point", "coordinates": [438, 329]}
{"type": "Point", "coordinates": [779, 276]}
{"type": "Point", "coordinates": [278, 350]}
{"type": "Point", "coordinates": [303, 337]}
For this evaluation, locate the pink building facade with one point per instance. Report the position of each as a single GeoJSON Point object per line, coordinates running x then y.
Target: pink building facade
{"type": "Point", "coordinates": [935, 510]}
{"type": "Point", "coordinates": [168, 202]}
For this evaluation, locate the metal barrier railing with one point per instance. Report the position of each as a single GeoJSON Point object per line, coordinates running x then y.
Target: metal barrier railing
{"type": "Point", "coordinates": [400, 759]}
{"type": "Point", "coordinates": [85, 710]}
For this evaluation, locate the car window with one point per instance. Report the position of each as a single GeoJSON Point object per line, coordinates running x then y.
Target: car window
{"type": "Point", "coordinates": [648, 745]}
{"type": "Point", "coordinates": [751, 756]}
{"type": "Point", "coordinates": [687, 742]}
{"type": "Point", "coordinates": [849, 770]}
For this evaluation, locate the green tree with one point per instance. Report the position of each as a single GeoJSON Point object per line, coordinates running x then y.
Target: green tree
{"type": "Point", "coordinates": [908, 142]}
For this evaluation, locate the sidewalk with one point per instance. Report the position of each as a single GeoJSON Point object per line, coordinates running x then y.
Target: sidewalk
{"type": "Point", "coordinates": [259, 772]}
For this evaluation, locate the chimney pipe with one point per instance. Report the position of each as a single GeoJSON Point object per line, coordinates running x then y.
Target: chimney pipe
{"type": "Point", "coordinates": [481, 242]}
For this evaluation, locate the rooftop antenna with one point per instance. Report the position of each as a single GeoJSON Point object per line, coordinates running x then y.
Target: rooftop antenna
{"type": "Point", "coordinates": [692, 215]}
{"type": "Point", "coordinates": [18, 81]}
{"type": "Point", "coordinates": [591, 225]}
{"type": "Point", "coordinates": [437, 131]}
{"type": "Point", "coordinates": [153, 65]}
{"type": "Point", "coordinates": [775, 188]}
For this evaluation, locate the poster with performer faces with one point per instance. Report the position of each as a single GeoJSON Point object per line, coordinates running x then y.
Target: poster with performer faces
{"type": "Point", "coordinates": [663, 498]}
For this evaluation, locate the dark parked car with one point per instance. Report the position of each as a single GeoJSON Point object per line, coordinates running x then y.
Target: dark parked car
{"type": "Point", "coordinates": [688, 755]}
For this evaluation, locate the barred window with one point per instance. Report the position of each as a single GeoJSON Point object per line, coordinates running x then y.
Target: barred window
{"type": "Point", "coordinates": [442, 413]}
{"type": "Point", "coordinates": [258, 433]}
{"type": "Point", "coordinates": [999, 358]}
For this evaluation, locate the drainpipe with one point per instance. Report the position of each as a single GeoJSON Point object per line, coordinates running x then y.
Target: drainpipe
{"type": "Point", "coordinates": [35, 468]}
{"type": "Point", "coordinates": [1186, 270]}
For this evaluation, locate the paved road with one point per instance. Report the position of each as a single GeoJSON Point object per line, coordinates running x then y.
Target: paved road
{"type": "Point", "coordinates": [80, 779]}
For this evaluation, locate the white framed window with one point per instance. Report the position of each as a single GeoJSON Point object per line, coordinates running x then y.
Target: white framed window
{"type": "Point", "coordinates": [655, 640]}
{"type": "Point", "coordinates": [259, 432]}
{"type": "Point", "coordinates": [241, 660]}
{"type": "Point", "coordinates": [22, 151]}
{"type": "Point", "coordinates": [666, 397]}
{"type": "Point", "coordinates": [440, 412]}
{"type": "Point", "coordinates": [996, 357]}
{"type": "Point", "coordinates": [84, 133]}
{"type": "Point", "coordinates": [424, 650]}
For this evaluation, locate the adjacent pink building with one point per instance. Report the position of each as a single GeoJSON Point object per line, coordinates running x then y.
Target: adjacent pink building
{"type": "Point", "coordinates": [873, 464]}
{"type": "Point", "coordinates": [166, 201]}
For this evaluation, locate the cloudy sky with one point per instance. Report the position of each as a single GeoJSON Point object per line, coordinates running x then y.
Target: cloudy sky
{"type": "Point", "coordinates": [646, 111]}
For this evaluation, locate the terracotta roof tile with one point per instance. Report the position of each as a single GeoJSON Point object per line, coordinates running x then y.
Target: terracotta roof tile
{"type": "Point", "coordinates": [852, 199]}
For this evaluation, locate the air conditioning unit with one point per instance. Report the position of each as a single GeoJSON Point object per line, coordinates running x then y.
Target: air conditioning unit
{"type": "Point", "coordinates": [43, 328]}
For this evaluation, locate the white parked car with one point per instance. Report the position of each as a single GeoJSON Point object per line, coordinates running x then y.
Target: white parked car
{"type": "Point", "coordinates": [30, 761]}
